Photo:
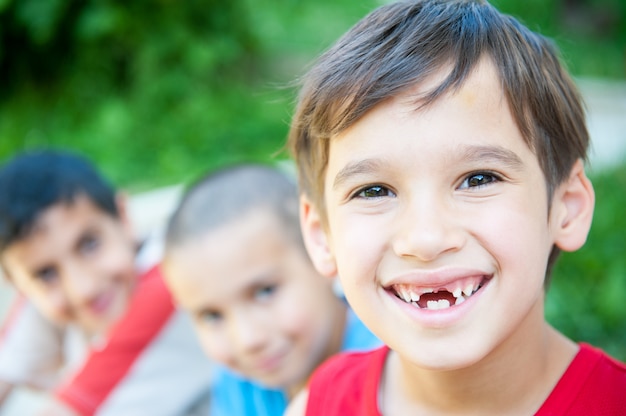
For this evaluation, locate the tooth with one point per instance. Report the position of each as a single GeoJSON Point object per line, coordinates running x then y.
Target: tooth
{"type": "Point", "coordinates": [444, 303]}
{"type": "Point", "coordinates": [414, 296]}
{"type": "Point", "coordinates": [457, 292]}
{"type": "Point", "coordinates": [432, 305]}
{"type": "Point", "coordinates": [459, 300]}
{"type": "Point", "coordinates": [469, 289]}
{"type": "Point", "coordinates": [428, 290]}
{"type": "Point", "coordinates": [402, 293]}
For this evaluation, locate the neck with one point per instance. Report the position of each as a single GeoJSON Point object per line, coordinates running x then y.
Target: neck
{"type": "Point", "coordinates": [531, 361]}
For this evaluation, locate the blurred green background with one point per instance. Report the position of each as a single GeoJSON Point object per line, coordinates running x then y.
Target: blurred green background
{"type": "Point", "coordinates": [157, 92]}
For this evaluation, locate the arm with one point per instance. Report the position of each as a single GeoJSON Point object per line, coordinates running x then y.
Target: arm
{"type": "Point", "coordinates": [31, 351]}
{"type": "Point", "coordinates": [297, 407]}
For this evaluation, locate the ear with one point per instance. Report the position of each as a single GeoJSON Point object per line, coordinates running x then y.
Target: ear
{"type": "Point", "coordinates": [4, 274]}
{"type": "Point", "coordinates": [121, 201]}
{"type": "Point", "coordinates": [316, 239]}
{"type": "Point", "coordinates": [573, 205]}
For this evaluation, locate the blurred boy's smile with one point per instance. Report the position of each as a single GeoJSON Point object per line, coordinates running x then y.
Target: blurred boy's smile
{"type": "Point", "coordinates": [77, 265]}
{"type": "Point", "coordinates": [440, 229]}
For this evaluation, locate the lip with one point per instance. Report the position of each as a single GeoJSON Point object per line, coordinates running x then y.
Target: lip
{"type": "Point", "coordinates": [439, 318]}
{"type": "Point", "coordinates": [102, 303]}
{"type": "Point", "coordinates": [435, 278]}
{"type": "Point", "coordinates": [269, 363]}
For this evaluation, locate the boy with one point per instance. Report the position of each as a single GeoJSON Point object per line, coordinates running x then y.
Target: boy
{"type": "Point", "coordinates": [235, 260]}
{"type": "Point", "coordinates": [67, 247]}
{"type": "Point", "coordinates": [440, 150]}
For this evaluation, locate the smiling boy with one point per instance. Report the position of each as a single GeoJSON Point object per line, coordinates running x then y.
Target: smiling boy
{"type": "Point", "coordinates": [440, 148]}
{"type": "Point", "coordinates": [93, 326]}
{"type": "Point", "coordinates": [235, 260]}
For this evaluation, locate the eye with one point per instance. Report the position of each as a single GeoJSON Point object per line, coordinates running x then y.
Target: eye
{"type": "Point", "coordinates": [479, 179]}
{"type": "Point", "coordinates": [89, 243]}
{"type": "Point", "coordinates": [210, 317]}
{"type": "Point", "coordinates": [47, 275]}
{"type": "Point", "coordinates": [265, 291]}
{"type": "Point", "coordinates": [374, 191]}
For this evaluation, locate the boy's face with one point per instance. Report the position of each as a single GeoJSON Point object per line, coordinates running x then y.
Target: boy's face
{"type": "Point", "coordinates": [76, 266]}
{"type": "Point", "coordinates": [259, 306]}
{"type": "Point", "coordinates": [438, 224]}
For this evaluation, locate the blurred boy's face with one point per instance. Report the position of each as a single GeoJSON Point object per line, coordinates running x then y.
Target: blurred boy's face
{"type": "Point", "coordinates": [76, 266]}
{"type": "Point", "coordinates": [438, 224]}
{"type": "Point", "coordinates": [259, 306]}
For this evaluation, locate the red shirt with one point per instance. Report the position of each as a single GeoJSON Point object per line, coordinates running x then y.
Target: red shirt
{"type": "Point", "coordinates": [593, 384]}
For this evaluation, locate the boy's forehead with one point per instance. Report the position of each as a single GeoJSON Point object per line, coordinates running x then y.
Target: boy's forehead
{"type": "Point", "coordinates": [481, 88]}
{"type": "Point", "coordinates": [66, 213]}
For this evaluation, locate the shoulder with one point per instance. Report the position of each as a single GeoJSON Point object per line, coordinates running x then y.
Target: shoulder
{"type": "Point", "coordinates": [233, 394]}
{"type": "Point", "coordinates": [593, 381]}
{"type": "Point", "coordinates": [31, 347]}
{"type": "Point", "coordinates": [349, 366]}
{"type": "Point", "coordinates": [346, 383]}
{"type": "Point", "coordinates": [599, 365]}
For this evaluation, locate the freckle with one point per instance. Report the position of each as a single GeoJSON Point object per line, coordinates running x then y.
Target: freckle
{"type": "Point", "coordinates": [468, 97]}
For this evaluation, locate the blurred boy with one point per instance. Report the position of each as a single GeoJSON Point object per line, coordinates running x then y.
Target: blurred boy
{"type": "Point", "coordinates": [235, 260]}
{"type": "Point", "coordinates": [440, 149]}
{"type": "Point", "coordinates": [67, 247]}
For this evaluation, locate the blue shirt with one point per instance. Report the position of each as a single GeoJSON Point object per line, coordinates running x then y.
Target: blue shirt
{"type": "Point", "coordinates": [233, 395]}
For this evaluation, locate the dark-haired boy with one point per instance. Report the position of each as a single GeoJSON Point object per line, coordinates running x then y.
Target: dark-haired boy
{"type": "Point", "coordinates": [67, 246]}
{"type": "Point", "coordinates": [440, 147]}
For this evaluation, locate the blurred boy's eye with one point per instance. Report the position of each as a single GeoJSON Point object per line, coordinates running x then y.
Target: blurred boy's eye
{"type": "Point", "coordinates": [265, 291]}
{"type": "Point", "coordinates": [88, 244]}
{"type": "Point", "coordinates": [47, 275]}
{"type": "Point", "coordinates": [210, 317]}
{"type": "Point", "coordinates": [375, 191]}
{"type": "Point", "coordinates": [479, 179]}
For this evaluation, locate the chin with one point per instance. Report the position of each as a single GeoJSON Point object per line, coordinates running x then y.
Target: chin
{"type": "Point", "coordinates": [445, 360]}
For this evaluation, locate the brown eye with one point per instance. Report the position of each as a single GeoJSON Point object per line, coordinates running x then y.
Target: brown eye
{"type": "Point", "coordinates": [476, 180]}
{"type": "Point", "coordinates": [376, 191]}
{"type": "Point", "coordinates": [210, 317]}
{"type": "Point", "coordinates": [47, 275]}
{"type": "Point", "coordinates": [88, 244]}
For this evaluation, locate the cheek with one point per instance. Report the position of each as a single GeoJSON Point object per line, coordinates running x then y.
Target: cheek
{"type": "Point", "coordinates": [51, 306]}
{"type": "Point", "coordinates": [357, 239]}
{"type": "Point", "coordinates": [299, 317]}
{"type": "Point", "coordinates": [118, 262]}
{"type": "Point", "coordinates": [518, 239]}
{"type": "Point", "coordinates": [215, 345]}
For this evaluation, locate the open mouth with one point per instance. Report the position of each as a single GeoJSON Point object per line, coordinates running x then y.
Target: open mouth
{"type": "Point", "coordinates": [443, 297]}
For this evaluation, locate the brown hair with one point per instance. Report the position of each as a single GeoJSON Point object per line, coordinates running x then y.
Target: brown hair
{"type": "Point", "coordinates": [399, 45]}
{"type": "Point", "coordinates": [228, 194]}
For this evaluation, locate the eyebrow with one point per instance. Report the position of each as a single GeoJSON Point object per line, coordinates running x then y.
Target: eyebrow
{"type": "Point", "coordinates": [356, 168]}
{"type": "Point", "coordinates": [494, 154]}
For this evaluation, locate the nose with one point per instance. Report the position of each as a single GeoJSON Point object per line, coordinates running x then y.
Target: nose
{"type": "Point", "coordinates": [247, 332]}
{"type": "Point", "coordinates": [427, 227]}
{"type": "Point", "coordinates": [79, 283]}
{"type": "Point", "coordinates": [59, 307]}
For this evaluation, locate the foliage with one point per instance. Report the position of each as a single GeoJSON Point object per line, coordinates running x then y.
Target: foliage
{"type": "Point", "coordinates": [590, 33]}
